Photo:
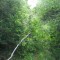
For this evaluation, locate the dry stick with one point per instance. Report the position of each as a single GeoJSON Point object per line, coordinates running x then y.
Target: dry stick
{"type": "Point", "coordinates": [17, 46]}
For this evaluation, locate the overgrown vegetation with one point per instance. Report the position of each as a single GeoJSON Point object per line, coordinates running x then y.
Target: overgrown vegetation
{"type": "Point", "coordinates": [43, 24]}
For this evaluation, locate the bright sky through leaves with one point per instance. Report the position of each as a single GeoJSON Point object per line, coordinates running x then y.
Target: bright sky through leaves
{"type": "Point", "coordinates": [32, 3]}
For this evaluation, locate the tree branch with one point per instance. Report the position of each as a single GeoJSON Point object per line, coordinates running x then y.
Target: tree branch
{"type": "Point", "coordinates": [17, 46]}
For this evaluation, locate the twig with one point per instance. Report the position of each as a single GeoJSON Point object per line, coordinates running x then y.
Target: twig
{"type": "Point", "coordinates": [17, 46]}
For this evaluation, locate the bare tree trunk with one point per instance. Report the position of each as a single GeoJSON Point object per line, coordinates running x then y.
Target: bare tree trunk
{"type": "Point", "coordinates": [17, 46]}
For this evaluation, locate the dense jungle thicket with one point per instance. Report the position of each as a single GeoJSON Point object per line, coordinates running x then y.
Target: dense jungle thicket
{"type": "Point", "coordinates": [43, 23]}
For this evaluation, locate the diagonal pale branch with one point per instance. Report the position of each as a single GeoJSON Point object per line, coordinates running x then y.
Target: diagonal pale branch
{"type": "Point", "coordinates": [17, 46]}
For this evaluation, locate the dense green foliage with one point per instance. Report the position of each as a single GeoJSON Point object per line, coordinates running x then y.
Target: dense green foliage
{"type": "Point", "coordinates": [43, 24]}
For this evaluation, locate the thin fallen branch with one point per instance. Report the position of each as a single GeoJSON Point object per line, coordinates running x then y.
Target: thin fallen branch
{"type": "Point", "coordinates": [17, 46]}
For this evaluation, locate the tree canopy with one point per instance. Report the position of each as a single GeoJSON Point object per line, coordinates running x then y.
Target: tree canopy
{"type": "Point", "coordinates": [17, 19]}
